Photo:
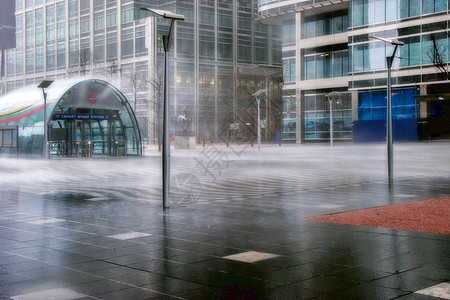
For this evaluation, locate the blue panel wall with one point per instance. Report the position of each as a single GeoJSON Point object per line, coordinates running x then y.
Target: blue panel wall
{"type": "Point", "coordinates": [375, 130]}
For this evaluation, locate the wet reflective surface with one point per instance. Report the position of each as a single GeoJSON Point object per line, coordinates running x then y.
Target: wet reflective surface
{"type": "Point", "coordinates": [94, 229]}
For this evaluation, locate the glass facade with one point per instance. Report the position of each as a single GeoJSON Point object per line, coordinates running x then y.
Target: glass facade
{"type": "Point", "coordinates": [99, 37]}
{"type": "Point", "coordinates": [316, 109]}
{"type": "Point", "coordinates": [372, 104]}
{"type": "Point", "coordinates": [366, 12]}
{"type": "Point", "coordinates": [420, 48]}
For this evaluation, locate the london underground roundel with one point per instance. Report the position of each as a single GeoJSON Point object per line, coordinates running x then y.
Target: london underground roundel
{"type": "Point", "coordinates": [92, 99]}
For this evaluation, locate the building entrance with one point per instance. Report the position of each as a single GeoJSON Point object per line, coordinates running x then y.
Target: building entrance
{"type": "Point", "coordinates": [87, 137]}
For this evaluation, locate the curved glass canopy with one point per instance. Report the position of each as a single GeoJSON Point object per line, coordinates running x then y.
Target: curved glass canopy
{"type": "Point", "coordinates": [86, 118]}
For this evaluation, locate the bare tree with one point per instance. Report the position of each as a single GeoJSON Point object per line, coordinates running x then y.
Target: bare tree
{"type": "Point", "coordinates": [156, 84]}
{"type": "Point", "coordinates": [80, 62]}
{"type": "Point", "coordinates": [438, 55]}
{"type": "Point", "coordinates": [112, 67]}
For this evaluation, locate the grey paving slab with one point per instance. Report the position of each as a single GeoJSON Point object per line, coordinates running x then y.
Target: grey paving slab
{"type": "Point", "coordinates": [95, 228]}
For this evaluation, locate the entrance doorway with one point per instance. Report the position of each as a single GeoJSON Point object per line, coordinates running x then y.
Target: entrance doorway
{"type": "Point", "coordinates": [89, 138]}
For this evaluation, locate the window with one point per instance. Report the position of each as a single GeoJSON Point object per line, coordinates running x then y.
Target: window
{"type": "Point", "coordinates": [410, 52]}
{"type": "Point", "coordinates": [30, 38]}
{"type": "Point", "coordinates": [289, 32]}
{"type": "Point", "coordinates": [127, 42]}
{"type": "Point", "coordinates": [30, 61]}
{"type": "Point", "coordinates": [19, 22]}
{"type": "Point", "coordinates": [140, 40]}
{"type": "Point", "coordinates": [309, 67]}
{"type": "Point", "coordinates": [19, 4]}
{"type": "Point", "coordinates": [61, 56]}
{"type": "Point", "coordinates": [244, 23]}
{"type": "Point", "coordinates": [73, 29]}
{"type": "Point", "coordinates": [261, 54]}
{"type": "Point", "coordinates": [325, 24]}
{"type": "Point", "coordinates": [244, 53]}
{"type": "Point", "coordinates": [111, 47]}
{"type": "Point", "coordinates": [289, 70]}
{"type": "Point", "coordinates": [61, 11]}
{"type": "Point", "coordinates": [10, 63]}
{"type": "Point", "coordinates": [99, 48]}
{"type": "Point", "coordinates": [372, 105]}
{"type": "Point", "coordinates": [50, 57]}
{"type": "Point", "coordinates": [99, 21]}
{"type": "Point", "coordinates": [19, 63]}
{"type": "Point", "coordinates": [380, 11]}
{"type": "Point", "coordinates": [84, 25]}
{"type": "Point", "coordinates": [84, 6]}
{"type": "Point", "coordinates": [61, 31]}
{"type": "Point", "coordinates": [207, 49]}
{"type": "Point", "coordinates": [73, 8]}
{"type": "Point", "coordinates": [206, 18]}
{"type": "Point", "coordinates": [39, 17]}
{"type": "Point", "coordinates": [50, 14]}
{"type": "Point", "coordinates": [29, 19]}
{"type": "Point", "coordinates": [225, 21]}
{"type": "Point", "coordinates": [111, 18]}
{"type": "Point", "coordinates": [50, 34]}
{"type": "Point", "coordinates": [127, 14]}
{"type": "Point", "coordinates": [39, 39]}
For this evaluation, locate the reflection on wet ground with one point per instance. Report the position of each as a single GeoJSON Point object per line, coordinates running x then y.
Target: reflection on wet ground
{"type": "Point", "coordinates": [94, 229]}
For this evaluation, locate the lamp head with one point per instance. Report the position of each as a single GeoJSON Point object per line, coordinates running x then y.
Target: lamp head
{"type": "Point", "coordinates": [392, 42]}
{"type": "Point", "coordinates": [165, 14]}
{"type": "Point", "coordinates": [45, 84]}
{"type": "Point", "coordinates": [259, 93]}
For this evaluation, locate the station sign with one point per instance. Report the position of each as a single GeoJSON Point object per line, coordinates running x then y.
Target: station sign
{"type": "Point", "coordinates": [81, 117]}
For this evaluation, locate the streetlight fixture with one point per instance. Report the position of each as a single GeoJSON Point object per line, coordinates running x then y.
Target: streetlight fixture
{"type": "Point", "coordinates": [329, 96]}
{"type": "Point", "coordinates": [43, 85]}
{"type": "Point", "coordinates": [166, 139]}
{"type": "Point", "coordinates": [389, 60]}
{"type": "Point", "coordinates": [258, 101]}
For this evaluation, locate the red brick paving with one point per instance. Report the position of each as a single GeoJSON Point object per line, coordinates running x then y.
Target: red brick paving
{"type": "Point", "coordinates": [430, 215]}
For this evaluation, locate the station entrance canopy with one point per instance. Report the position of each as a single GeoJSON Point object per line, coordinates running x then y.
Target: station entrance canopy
{"type": "Point", "coordinates": [86, 118]}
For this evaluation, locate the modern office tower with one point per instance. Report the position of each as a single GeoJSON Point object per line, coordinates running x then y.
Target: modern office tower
{"type": "Point", "coordinates": [333, 52]}
{"type": "Point", "coordinates": [214, 53]}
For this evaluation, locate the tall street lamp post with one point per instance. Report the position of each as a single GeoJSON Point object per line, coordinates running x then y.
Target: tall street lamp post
{"type": "Point", "coordinates": [389, 60]}
{"type": "Point", "coordinates": [329, 97]}
{"type": "Point", "coordinates": [43, 85]}
{"type": "Point", "coordinates": [166, 139]}
{"type": "Point", "coordinates": [258, 102]}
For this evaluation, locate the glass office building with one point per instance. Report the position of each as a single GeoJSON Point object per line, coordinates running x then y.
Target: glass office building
{"type": "Point", "coordinates": [327, 48]}
{"type": "Point", "coordinates": [88, 118]}
{"type": "Point", "coordinates": [115, 41]}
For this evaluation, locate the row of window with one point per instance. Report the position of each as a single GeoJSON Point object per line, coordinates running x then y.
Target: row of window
{"type": "Point", "coordinates": [418, 50]}
{"type": "Point", "coordinates": [365, 12]}
{"type": "Point", "coordinates": [79, 53]}
{"type": "Point", "coordinates": [325, 65]}
{"type": "Point", "coordinates": [325, 24]}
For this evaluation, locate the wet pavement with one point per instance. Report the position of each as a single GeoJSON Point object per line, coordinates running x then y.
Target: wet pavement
{"type": "Point", "coordinates": [95, 229]}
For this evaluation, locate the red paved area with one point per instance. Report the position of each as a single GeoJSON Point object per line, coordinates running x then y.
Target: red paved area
{"type": "Point", "coordinates": [431, 215]}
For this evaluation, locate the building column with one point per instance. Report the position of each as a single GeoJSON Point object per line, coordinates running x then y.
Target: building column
{"type": "Point", "coordinates": [298, 77]}
{"type": "Point", "coordinates": [299, 117]}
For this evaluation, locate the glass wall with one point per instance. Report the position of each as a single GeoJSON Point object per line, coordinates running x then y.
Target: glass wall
{"type": "Point", "coordinates": [316, 109]}
{"type": "Point", "coordinates": [419, 49]}
{"type": "Point", "coordinates": [372, 104]}
{"type": "Point", "coordinates": [325, 24]}
{"type": "Point", "coordinates": [365, 12]}
{"type": "Point", "coordinates": [325, 65]}
{"type": "Point", "coordinates": [289, 119]}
